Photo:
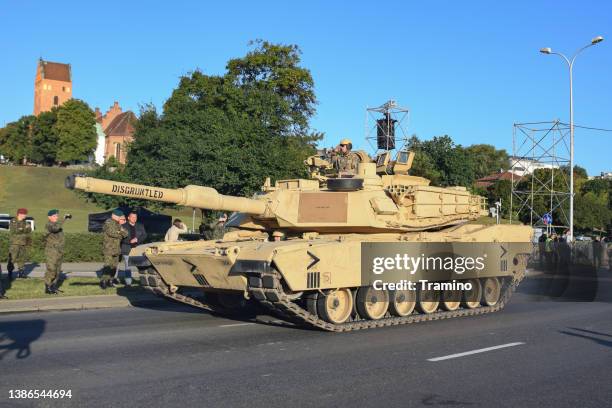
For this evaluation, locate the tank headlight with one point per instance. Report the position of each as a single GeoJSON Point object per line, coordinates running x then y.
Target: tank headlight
{"type": "Point", "coordinates": [246, 266]}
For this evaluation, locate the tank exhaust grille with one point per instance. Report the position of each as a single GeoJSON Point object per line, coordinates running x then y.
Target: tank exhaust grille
{"type": "Point", "coordinates": [201, 279]}
{"type": "Point", "coordinates": [313, 280]}
{"type": "Point", "coordinates": [503, 265]}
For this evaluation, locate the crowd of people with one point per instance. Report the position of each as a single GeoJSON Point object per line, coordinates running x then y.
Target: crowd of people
{"type": "Point", "coordinates": [121, 234]}
{"type": "Point", "coordinates": [555, 251]}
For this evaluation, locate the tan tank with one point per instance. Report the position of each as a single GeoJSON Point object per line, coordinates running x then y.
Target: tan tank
{"type": "Point", "coordinates": [319, 269]}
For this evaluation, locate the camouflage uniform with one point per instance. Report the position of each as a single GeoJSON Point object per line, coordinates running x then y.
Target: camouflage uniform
{"type": "Point", "coordinates": [20, 237]}
{"type": "Point", "coordinates": [218, 231]}
{"type": "Point", "coordinates": [54, 251]}
{"type": "Point", "coordinates": [346, 163]}
{"type": "Point", "coordinates": [113, 234]}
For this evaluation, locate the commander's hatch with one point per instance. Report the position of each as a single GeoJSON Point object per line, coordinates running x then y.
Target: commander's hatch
{"type": "Point", "coordinates": [401, 164]}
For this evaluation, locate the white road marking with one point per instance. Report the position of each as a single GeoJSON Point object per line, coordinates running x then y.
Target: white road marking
{"type": "Point", "coordinates": [236, 324]}
{"type": "Point", "coordinates": [482, 350]}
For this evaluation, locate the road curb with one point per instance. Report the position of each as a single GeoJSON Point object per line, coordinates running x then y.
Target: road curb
{"type": "Point", "coordinates": [77, 303]}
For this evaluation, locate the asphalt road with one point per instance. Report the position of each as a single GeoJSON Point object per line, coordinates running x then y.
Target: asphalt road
{"type": "Point", "coordinates": [555, 353]}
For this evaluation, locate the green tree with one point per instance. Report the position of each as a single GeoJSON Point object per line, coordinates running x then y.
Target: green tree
{"type": "Point", "coordinates": [487, 159]}
{"type": "Point", "coordinates": [442, 161]}
{"type": "Point", "coordinates": [501, 190]}
{"type": "Point", "coordinates": [228, 132]}
{"type": "Point", "coordinates": [44, 138]}
{"type": "Point", "coordinates": [274, 69]}
{"type": "Point", "coordinates": [16, 139]}
{"type": "Point", "coordinates": [76, 132]}
{"type": "Point", "coordinates": [591, 211]}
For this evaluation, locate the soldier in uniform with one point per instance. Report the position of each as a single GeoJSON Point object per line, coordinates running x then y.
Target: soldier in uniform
{"type": "Point", "coordinates": [20, 238]}
{"type": "Point", "coordinates": [215, 230]}
{"type": "Point", "coordinates": [113, 234]}
{"type": "Point", "coordinates": [218, 230]}
{"type": "Point", "coordinates": [278, 236]}
{"type": "Point", "coordinates": [344, 160]}
{"type": "Point", "coordinates": [54, 250]}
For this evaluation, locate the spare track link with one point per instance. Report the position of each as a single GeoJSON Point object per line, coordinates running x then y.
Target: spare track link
{"type": "Point", "coordinates": [273, 297]}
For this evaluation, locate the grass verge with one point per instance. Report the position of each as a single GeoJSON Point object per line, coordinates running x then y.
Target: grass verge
{"type": "Point", "coordinates": [34, 288]}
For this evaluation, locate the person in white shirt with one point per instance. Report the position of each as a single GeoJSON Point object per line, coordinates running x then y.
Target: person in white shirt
{"type": "Point", "coordinates": [177, 228]}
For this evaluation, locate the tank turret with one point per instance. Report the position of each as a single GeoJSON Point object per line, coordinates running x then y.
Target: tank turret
{"type": "Point", "coordinates": [367, 203]}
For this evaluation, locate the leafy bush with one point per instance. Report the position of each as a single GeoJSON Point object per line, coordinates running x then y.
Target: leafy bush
{"type": "Point", "coordinates": [80, 247]}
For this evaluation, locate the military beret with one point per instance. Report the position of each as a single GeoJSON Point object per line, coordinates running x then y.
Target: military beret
{"type": "Point", "coordinates": [118, 212]}
{"type": "Point", "coordinates": [52, 212]}
{"type": "Point", "coordinates": [22, 211]}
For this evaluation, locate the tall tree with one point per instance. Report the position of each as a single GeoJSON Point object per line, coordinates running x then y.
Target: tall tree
{"type": "Point", "coordinates": [487, 159]}
{"type": "Point", "coordinates": [16, 139]}
{"type": "Point", "coordinates": [274, 69]}
{"type": "Point", "coordinates": [76, 132]}
{"type": "Point", "coordinates": [44, 138]}
{"type": "Point", "coordinates": [228, 131]}
{"type": "Point", "coordinates": [444, 162]}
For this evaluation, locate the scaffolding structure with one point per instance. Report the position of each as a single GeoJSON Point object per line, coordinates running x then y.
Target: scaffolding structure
{"type": "Point", "coordinates": [385, 127]}
{"type": "Point", "coordinates": [542, 146]}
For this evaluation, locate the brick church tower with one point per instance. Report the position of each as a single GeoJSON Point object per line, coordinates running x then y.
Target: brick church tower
{"type": "Point", "coordinates": [52, 86]}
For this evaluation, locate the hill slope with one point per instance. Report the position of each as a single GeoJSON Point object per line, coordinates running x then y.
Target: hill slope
{"type": "Point", "coordinates": [40, 189]}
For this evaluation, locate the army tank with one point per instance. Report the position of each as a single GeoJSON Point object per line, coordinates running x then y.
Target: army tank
{"type": "Point", "coordinates": [335, 230]}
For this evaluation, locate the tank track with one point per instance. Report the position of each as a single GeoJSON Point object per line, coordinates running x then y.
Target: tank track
{"type": "Point", "coordinates": [152, 282]}
{"type": "Point", "coordinates": [267, 289]}
{"type": "Point", "coordinates": [276, 299]}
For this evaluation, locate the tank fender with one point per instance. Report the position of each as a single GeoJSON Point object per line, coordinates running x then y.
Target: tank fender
{"type": "Point", "coordinates": [320, 266]}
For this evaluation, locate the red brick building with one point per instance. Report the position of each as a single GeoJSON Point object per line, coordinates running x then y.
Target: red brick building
{"type": "Point", "coordinates": [52, 85]}
{"type": "Point", "coordinates": [118, 128]}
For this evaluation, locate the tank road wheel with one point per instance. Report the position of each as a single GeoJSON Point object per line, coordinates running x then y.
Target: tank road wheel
{"type": "Point", "coordinates": [336, 306]}
{"type": "Point", "coordinates": [471, 298]}
{"type": "Point", "coordinates": [311, 303]}
{"type": "Point", "coordinates": [451, 299]}
{"type": "Point", "coordinates": [428, 300]}
{"type": "Point", "coordinates": [402, 302]}
{"type": "Point", "coordinates": [371, 303]}
{"type": "Point", "coordinates": [491, 291]}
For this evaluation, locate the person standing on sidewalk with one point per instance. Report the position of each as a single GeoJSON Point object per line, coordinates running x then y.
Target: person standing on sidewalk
{"type": "Point", "coordinates": [113, 234]}
{"type": "Point", "coordinates": [20, 238]}
{"type": "Point", "coordinates": [2, 292]}
{"type": "Point", "coordinates": [54, 250]}
{"type": "Point", "coordinates": [136, 236]}
{"type": "Point", "coordinates": [597, 252]}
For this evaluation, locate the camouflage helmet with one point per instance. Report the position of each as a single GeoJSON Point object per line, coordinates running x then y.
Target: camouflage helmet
{"type": "Point", "coordinates": [346, 141]}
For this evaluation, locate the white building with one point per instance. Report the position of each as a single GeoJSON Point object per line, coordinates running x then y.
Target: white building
{"type": "Point", "coordinates": [99, 153]}
{"type": "Point", "coordinates": [525, 165]}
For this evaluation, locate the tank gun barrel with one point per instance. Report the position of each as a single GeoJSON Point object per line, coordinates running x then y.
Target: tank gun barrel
{"type": "Point", "coordinates": [189, 196]}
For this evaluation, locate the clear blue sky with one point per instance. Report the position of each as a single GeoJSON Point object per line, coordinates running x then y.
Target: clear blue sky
{"type": "Point", "coordinates": [467, 69]}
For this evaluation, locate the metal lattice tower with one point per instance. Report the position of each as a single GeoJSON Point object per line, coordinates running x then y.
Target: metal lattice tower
{"type": "Point", "coordinates": [386, 128]}
{"type": "Point", "coordinates": [542, 146]}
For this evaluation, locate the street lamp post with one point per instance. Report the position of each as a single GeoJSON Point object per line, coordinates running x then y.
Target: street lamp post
{"type": "Point", "coordinates": [570, 65]}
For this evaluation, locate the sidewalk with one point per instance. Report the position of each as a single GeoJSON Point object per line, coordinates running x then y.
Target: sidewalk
{"type": "Point", "coordinates": [78, 303]}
